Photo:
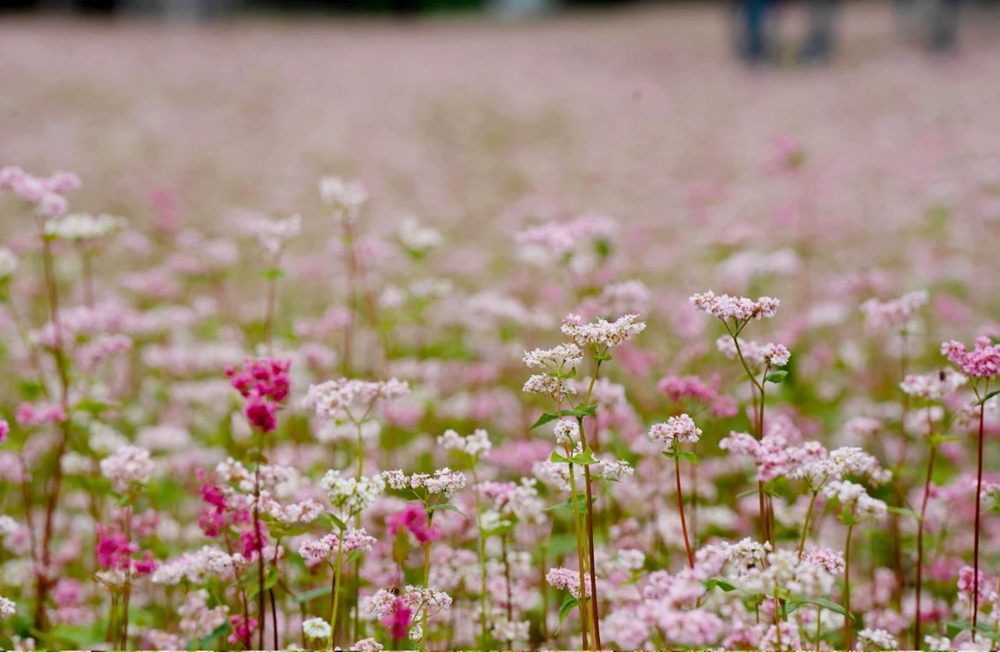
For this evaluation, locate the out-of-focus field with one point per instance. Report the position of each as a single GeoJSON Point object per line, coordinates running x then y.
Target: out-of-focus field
{"type": "Point", "coordinates": [457, 119]}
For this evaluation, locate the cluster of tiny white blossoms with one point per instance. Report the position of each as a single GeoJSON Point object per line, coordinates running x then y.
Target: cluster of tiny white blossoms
{"type": "Point", "coordinates": [549, 386]}
{"type": "Point", "coordinates": [737, 309]}
{"type": "Point", "coordinates": [127, 468]}
{"type": "Point", "coordinates": [82, 226]}
{"type": "Point", "coordinates": [7, 607]}
{"type": "Point", "coordinates": [444, 481]}
{"type": "Point", "coordinates": [8, 263]}
{"type": "Point", "coordinates": [876, 639]}
{"type": "Point", "coordinates": [679, 429]}
{"type": "Point", "coordinates": [197, 567]}
{"type": "Point", "coordinates": [855, 497]}
{"type": "Point", "coordinates": [326, 548]}
{"type": "Point", "coordinates": [475, 445]}
{"type": "Point", "coordinates": [316, 628]}
{"type": "Point", "coordinates": [356, 494]}
{"type": "Point", "coordinates": [934, 386]}
{"type": "Point", "coordinates": [345, 399]}
{"type": "Point", "coordinates": [344, 198]}
{"type": "Point", "coordinates": [601, 333]}
{"type": "Point", "coordinates": [839, 463]}
{"type": "Point", "coordinates": [613, 469]}
{"type": "Point", "coordinates": [273, 234]}
{"type": "Point", "coordinates": [554, 359]}
{"type": "Point", "coordinates": [567, 431]}
{"type": "Point", "coordinates": [417, 238]}
{"type": "Point", "coordinates": [509, 630]}
{"type": "Point", "coordinates": [893, 315]}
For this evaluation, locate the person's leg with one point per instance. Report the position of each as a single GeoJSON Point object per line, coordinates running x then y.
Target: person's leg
{"type": "Point", "coordinates": [756, 29]}
{"type": "Point", "coordinates": [945, 29]}
{"type": "Point", "coordinates": [822, 25]}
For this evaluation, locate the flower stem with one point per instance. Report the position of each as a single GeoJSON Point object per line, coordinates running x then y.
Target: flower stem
{"type": "Point", "coordinates": [579, 558]}
{"type": "Point", "coordinates": [979, 491]}
{"type": "Point", "coordinates": [920, 532]}
{"type": "Point", "coordinates": [336, 591]}
{"type": "Point", "coordinates": [680, 507]}
{"type": "Point", "coordinates": [805, 526]}
{"type": "Point", "coordinates": [848, 632]}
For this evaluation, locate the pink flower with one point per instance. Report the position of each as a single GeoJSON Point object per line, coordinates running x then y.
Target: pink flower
{"type": "Point", "coordinates": [113, 548]}
{"type": "Point", "coordinates": [4, 430]}
{"type": "Point", "coordinates": [265, 384]}
{"type": "Point", "coordinates": [242, 630]}
{"type": "Point", "coordinates": [981, 362]}
{"type": "Point", "coordinates": [398, 620]}
{"type": "Point", "coordinates": [413, 517]}
{"type": "Point", "coordinates": [30, 415]}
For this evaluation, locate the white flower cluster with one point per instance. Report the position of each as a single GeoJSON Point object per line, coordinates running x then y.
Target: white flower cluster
{"type": "Point", "coordinates": [7, 525]}
{"type": "Point", "coordinates": [895, 314]}
{"type": "Point", "coordinates": [350, 400]}
{"type": "Point", "coordinates": [81, 226]}
{"type": "Point", "coordinates": [680, 429]}
{"type": "Point", "coordinates": [602, 332]}
{"type": "Point", "coordinates": [934, 386]}
{"type": "Point", "coordinates": [273, 234]}
{"type": "Point", "coordinates": [739, 309]}
{"type": "Point", "coordinates": [841, 462]}
{"type": "Point", "coordinates": [854, 497]}
{"type": "Point", "coordinates": [548, 386]}
{"type": "Point", "coordinates": [555, 359]}
{"type": "Point", "coordinates": [509, 630]}
{"type": "Point", "coordinates": [197, 567]}
{"type": "Point", "coordinates": [353, 493]}
{"type": "Point", "coordinates": [444, 481]}
{"type": "Point", "coordinates": [7, 607]}
{"type": "Point", "coordinates": [613, 469]}
{"type": "Point", "coordinates": [417, 238]}
{"type": "Point", "coordinates": [344, 197]}
{"type": "Point", "coordinates": [475, 445]}
{"type": "Point", "coordinates": [197, 620]}
{"type": "Point", "coordinates": [8, 262]}
{"type": "Point", "coordinates": [128, 467]}
{"type": "Point", "coordinates": [567, 431]}
{"type": "Point", "coordinates": [876, 639]}
{"type": "Point", "coordinates": [316, 628]}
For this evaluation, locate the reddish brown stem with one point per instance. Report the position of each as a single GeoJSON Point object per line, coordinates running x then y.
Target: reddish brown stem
{"type": "Point", "coordinates": [680, 507]}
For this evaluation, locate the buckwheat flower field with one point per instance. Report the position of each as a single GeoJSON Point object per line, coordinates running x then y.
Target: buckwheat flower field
{"type": "Point", "coordinates": [458, 334]}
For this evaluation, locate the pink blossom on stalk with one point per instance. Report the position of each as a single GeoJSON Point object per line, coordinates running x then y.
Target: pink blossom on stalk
{"type": "Point", "coordinates": [982, 362]}
{"type": "Point", "coordinates": [679, 429]}
{"type": "Point", "coordinates": [739, 309]}
{"type": "Point", "coordinates": [398, 620]}
{"type": "Point", "coordinates": [31, 415]}
{"type": "Point", "coordinates": [242, 630]}
{"type": "Point", "coordinates": [413, 517]}
{"type": "Point", "coordinates": [265, 384]}
{"type": "Point", "coordinates": [4, 430]}
{"type": "Point", "coordinates": [113, 548]}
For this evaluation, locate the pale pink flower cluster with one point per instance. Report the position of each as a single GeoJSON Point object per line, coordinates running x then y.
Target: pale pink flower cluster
{"type": "Point", "coordinates": [981, 362]}
{"type": "Point", "coordinates": [431, 600]}
{"type": "Point", "coordinates": [549, 386]}
{"type": "Point", "coordinates": [197, 619]}
{"type": "Point", "coordinates": [737, 309]}
{"type": "Point", "coordinates": [127, 468]}
{"type": "Point", "coordinates": [7, 607]}
{"type": "Point", "coordinates": [772, 454]}
{"type": "Point", "coordinates": [327, 548]}
{"type": "Point", "coordinates": [519, 500]}
{"type": "Point", "coordinates": [351, 400]}
{"type": "Point", "coordinates": [839, 463]}
{"type": "Point", "coordinates": [444, 481]}
{"type": "Point", "coordinates": [273, 234]}
{"type": "Point", "coordinates": [893, 315]}
{"type": "Point", "coordinates": [557, 240]}
{"type": "Point", "coordinates": [757, 356]}
{"type": "Point", "coordinates": [934, 386]}
{"type": "Point", "coordinates": [602, 333]}
{"type": "Point", "coordinates": [567, 431]}
{"type": "Point", "coordinates": [680, 429]}
{"type": "Point", "coordinates": [46, 193]}
{"type": "Point", "coordinates": [565, 579]}
{"type": "Point", "coordinates": [876, 639]}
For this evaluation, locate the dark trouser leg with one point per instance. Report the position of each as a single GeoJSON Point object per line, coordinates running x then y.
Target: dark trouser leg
{"type": "Point", "coordinates": [822, 24]}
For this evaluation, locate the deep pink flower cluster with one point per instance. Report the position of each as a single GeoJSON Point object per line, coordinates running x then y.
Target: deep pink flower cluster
{"type": "Point", "coordinates": [33, 415]}
{"type": "Point", "coordinates": [981, 362]}
{"type": "Point", "coordinates": [265, 384]}
{"type": "Point", "coordinates": [218, 514]}
{"type": "Point", "coordinates": [398, 620]}
{"type": "Point", "coordinates": [413, 517]}
{"type": "Point", "coordinates": [114, 551]}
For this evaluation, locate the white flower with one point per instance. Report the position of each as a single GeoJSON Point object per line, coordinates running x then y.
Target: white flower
{"type": "Point", "coordinates": [7, 607]}
{"type": "Point", "coordinates": [8, 262]}
{"type": "Point", "coordinates": [679, 429]}
{"type": "Point", "coordinates": [81, 226]}
{"type": "Point", "coordinates": [316, 628]}
{"type": "Point", "coordinates": [344, 197]}
{"type": "Point", "coordinates": [417, 238]}
{"type": "Point", "coordinates": [602, 332]}
{"type": "Point", "coordinates": [127, 467]}
{"type": "Point", "coordinates": [475, 445]}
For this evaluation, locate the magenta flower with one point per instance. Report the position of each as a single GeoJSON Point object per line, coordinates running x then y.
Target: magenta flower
{"type": "Point", "coordinates": [265, 384]}
{"type": "Point", "coordinates": [981, 362]}
{"type": "Point", "coordinates": [413, 518]}
{"type": "Point", "coordinates": [398, 620]}
{"type": "Point", "coordinates": [113, 548]}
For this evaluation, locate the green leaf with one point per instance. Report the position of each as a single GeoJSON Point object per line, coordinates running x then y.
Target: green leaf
{"type": "Point", "coordinates": [776, 377]}
{"type": "Point", "coordinates": [542, 420]}
{"type": "Point", "coordinates": [273, 273]}
{"type": "Point", "coordinates": [942, 439]}
{"type": "Point", "coordinates": [309, 596]}
{"type": "Point", "coordinates": [336, 522]}
{"type": "Point", "coordinates": [270, 579]}
{"type": "Point", "coordinates": [953, 629]}
{"type": "Point", "coordinates": [903, 511]}
{"type": "Point", "coordinates": [586, 458]}
{"type": "Point", "coordinates": [208, 642]}
{"type": "Point", "coordinates": [556, 457]}
{"type": "Point", "coordinates": [568, 605]}
{"type": "Point", "coordinates": [995, 392]}
{"type": "Point", "coordinates": [589, 409]}
{"type": "Point", "coordinates": [602, 357]}
{"type": "Point", "coordinates": [835, 607]}
{"type": "Point", "coordinates": [688, 456]}
{"type": "Point", "coordinates": [716, 582]}
{"type": "Point", "coordinates": [447, 506]}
